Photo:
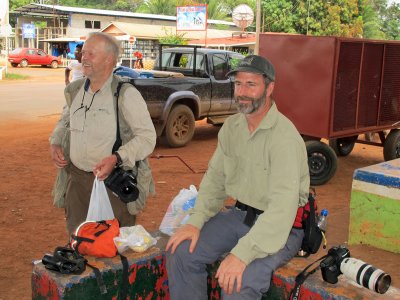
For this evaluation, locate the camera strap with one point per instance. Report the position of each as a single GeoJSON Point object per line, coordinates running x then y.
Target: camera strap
{"type": "Point", "coordinates": [301, 277]}
{"type": "Point", "coordinates": [118, 140]}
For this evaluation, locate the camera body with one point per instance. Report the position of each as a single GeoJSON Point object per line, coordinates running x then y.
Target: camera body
{"type": "Point", "coordinates": [330, 266]}
{"type": "Point", "coordinates": [338, 261]}
{"type": "Point", "coordinates": [123, 184]}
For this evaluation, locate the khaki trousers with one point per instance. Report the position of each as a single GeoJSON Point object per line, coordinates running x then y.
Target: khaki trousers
{"type": "Point", "coordinates": [77, 198]}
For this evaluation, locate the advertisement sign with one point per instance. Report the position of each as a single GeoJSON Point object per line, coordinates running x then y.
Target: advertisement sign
{"type": "Point", "coordinates": [191, 17]}
{"type": "Point", "coordinates": [28, 31]}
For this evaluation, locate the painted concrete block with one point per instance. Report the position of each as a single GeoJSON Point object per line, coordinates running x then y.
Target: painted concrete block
{"type": "Point", "coordinates": [147, 279]}
{"type": "Point", "coordinates": [375, 206]}
{"type": "Point", "coordinates": [314, 287]}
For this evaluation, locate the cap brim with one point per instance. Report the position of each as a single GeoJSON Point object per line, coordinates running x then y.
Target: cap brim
{"type": "Point", "coordinates": [247, 70]}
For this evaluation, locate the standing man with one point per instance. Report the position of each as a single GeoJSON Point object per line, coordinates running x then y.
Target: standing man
{"type": "Point", "coordinates": [260, 161]}
{"type": "Point", "coordinates": [75, 66]}
{"type": "Point", "coordinates": [91, 115]}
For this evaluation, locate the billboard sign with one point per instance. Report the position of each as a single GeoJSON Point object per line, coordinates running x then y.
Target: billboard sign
{"type": "Point", "coordinates": [28, 31]}
{"type": "Point", "coordinates": [191, 17]}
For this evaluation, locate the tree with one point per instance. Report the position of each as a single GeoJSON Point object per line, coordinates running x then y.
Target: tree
{"type": "Point", "coordinates": [391, 23]}
{"type": "Point", "coordinates": [372, 24]}
{"type": "Point", "coordinates": [337, 17]}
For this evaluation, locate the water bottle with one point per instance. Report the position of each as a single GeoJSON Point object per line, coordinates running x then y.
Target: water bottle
{"type": "Point", "coordinates": [322, 223]}
{"type": "Point", "coordinates": [322, 220]}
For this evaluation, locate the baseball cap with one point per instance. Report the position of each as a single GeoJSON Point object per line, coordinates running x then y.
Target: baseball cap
{"type": "Point", "coordinates": [255, 64]}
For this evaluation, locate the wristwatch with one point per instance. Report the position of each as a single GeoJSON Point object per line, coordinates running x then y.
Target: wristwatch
{"type": "Point", "coordinates": [119, 160]}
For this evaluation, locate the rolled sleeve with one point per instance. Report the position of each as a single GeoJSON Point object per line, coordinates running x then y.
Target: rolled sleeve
{"type": "Point", "coordinates": [137, 116]}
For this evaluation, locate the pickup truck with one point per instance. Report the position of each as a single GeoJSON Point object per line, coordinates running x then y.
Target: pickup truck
{"type": "Point", "coordinates": [189, 84]}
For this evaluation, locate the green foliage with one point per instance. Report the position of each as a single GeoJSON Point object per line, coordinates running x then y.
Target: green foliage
{"type": "Point", "coordinates": [371, 23]}
{"type": "Point", "coordinates": [391, 24]}
{"type": "Point", "coordinates": [335, 17]}
{"type": "Point", "coordinates": [13, 76]}
{"type": "Point", "coordinates": [173, 38]}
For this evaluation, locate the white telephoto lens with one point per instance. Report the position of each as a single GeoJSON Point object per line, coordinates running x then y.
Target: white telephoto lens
{"type": "Point", "coordinates": [365, 275]}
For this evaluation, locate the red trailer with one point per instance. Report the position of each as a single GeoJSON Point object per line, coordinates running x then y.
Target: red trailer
{"type": "Point", "coordinates": [336, 89]}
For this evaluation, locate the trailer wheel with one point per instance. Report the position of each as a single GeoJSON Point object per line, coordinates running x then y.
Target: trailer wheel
{"type": "Point", "coordinates": [180, 126]}
{"type": "Point", "coordinates": [322, 162]}
{"type": "Point", "coordinates": [391, 147]}
{"type": "Point", "coordinates": [343, 146]}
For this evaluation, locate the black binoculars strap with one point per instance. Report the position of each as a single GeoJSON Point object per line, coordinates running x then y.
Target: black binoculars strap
{"type": "Point", "coordinates": [99, 279]}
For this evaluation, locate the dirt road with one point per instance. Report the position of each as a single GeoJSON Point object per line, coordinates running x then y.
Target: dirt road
{"type": "Point", "coordinates": [31, 226]}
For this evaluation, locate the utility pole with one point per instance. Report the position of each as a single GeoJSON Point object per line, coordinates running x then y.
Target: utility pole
{"type": "Point", "coordinates": [258, 21]}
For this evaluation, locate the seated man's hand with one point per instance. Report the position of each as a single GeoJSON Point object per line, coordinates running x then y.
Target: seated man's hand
{"type": "Point", "coordinates": [186, 232]}
{"type": "Point", "coordinates": [230, 270]}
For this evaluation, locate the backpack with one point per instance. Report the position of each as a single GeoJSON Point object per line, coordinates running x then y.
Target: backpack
{"type": "Point", "coordinates": [96, 238]}
{"type": "Point", "coordinates": [306, 219]}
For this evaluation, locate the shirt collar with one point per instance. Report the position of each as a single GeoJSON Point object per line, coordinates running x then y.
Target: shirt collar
{"type": "Point", "coordinates": [267, 122]}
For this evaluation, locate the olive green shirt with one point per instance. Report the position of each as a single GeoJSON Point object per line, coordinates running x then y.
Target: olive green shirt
{"type": "Point", "coordinates": [266, 169]}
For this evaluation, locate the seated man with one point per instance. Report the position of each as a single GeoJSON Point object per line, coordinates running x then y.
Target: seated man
{"type": "Point", "coordinates": [261, 161]}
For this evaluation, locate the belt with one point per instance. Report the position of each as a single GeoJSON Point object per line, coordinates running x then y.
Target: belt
{"type": "Point", "coordinates": [251, 214]}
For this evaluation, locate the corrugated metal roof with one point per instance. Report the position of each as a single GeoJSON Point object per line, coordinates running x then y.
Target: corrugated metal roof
{"type": "Point", "coordinates": [147, 31]}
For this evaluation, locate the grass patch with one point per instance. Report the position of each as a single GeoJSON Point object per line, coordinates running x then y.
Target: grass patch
{"type": "Point", "coordinates": [13, 76]}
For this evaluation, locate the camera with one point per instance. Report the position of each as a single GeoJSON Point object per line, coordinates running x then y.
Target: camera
{"type": "Point", "coordinates": [338, 261]}
{"type": "Point", "coordinates": [123, 184]}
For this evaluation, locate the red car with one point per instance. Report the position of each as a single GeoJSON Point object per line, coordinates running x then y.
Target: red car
{"type": "Point", "coordinates": [31, 56]}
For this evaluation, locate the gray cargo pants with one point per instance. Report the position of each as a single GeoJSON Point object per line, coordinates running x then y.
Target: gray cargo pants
{"type": "Point", "coordinates": [187, 275]}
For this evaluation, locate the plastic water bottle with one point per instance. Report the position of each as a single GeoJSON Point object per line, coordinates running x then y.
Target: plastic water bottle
{"type": "Point", "coordinates": [322, 220]}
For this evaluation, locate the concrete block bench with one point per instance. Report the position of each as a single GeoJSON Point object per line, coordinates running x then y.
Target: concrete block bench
{"type": "Point", "coordinates": [375, 206]}
{"type": "Point", "coordinates": [148, 280]}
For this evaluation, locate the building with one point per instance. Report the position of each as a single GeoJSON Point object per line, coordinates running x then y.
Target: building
{"type": "Point", "coordinates": [67, 26]}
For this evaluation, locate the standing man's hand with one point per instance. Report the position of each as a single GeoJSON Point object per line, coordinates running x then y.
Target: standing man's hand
{"type": "Point", "coordinates": [186, 232]}
{"type": "Point", "coordinates": [105, 167]}
{"type": "Point", "coordinates": [230, 270]}
{"type": "Point", "coordinates": [57, 156]}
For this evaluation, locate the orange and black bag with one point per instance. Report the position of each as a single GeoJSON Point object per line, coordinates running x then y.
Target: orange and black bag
{"type": "Point", "coordinates": [96, 238]}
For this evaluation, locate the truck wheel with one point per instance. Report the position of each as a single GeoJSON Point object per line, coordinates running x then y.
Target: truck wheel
{"type": "Point", "coordinates": [54, 64]}
{"type": "Point", "coordinates": [180, 126]}
{"type": "Point", "coordinates": [391, 147]}
{"type": "Point", "coordinates": [343, 146]}
{"type": "Point", "coordinates": [23, 63]}
{"type": "Point", "coordinates": [322, 162]}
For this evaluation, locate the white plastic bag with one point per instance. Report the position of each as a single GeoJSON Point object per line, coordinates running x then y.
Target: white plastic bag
{"type": "Point", "coordinates": [178, 210]}
{"type": "Point", "coordinates": [99, 206]}
{"type": "Point", "coordinates": [135, 238]}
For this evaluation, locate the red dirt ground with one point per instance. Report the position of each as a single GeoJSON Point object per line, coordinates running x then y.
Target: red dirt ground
{"type": "Point", "coordinates": [31, 226]}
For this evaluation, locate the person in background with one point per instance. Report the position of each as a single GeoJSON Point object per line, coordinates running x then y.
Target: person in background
{"type": "Point", "coordinates": [261, 161]}
{"type": "Point", "coordinates": [90, 117]}
{"type": "Point", "coordinates": [75, 66]}
{"type": "Point", "coordinates": [139, 60]}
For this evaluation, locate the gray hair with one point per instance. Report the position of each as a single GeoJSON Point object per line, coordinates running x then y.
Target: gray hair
{"type": "Point", "coordinates": [112, 44]}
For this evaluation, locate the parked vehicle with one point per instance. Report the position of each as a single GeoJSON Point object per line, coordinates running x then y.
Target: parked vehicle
{"type": "Point", "coordinates": [32, 56]}
{"type": "Point", "coordinates": [190, 85]}
{"type": "Point", "coordinates": [337, 89]}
